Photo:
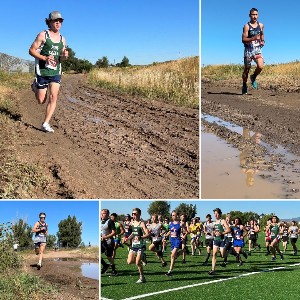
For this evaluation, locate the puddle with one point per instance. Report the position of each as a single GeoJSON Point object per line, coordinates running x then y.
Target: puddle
{"type": "Point", "coordinates": [66, 259]}
{"type": "Point", "coordinates": [72, 100]}
{"type": "Point", "coordinates": [90, 270]}
{"type": "Point", "coordinates": [223, 177]}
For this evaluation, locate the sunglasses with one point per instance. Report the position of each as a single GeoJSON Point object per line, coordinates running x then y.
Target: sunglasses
{"type": "Point", "coordinates": [58, 20]}
{"type": "Point", "coordinates": [134, 213]}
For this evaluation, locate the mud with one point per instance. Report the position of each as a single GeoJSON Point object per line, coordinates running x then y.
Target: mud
{"type": "Point", "coordinates": [108, 145]}
{"type": "Point", "coordinates": [267, 141]}
{"type": "Point", "coordinates": [65, 275]}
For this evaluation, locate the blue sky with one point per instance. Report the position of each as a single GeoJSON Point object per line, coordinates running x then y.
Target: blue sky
{"type": "Point", "coordinates": [283, 209]}
{"type": "Point", "coordinates": [144, 31]}
{"type": "Point", "coordinates": [222, 23]}
{"type": "Point", "coordinates": [86, 212]}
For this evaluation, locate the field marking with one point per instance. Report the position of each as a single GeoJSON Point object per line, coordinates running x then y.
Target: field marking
{"type": "Point", "coordinates": [207, 282]}
{"type": "Point", "coordinates": [102, 298]}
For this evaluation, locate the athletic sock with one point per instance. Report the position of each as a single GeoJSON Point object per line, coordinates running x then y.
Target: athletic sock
{"type": "Point", "coordinates": [113, 267]}
{"type": "Point", "coordinates": [103, 263]}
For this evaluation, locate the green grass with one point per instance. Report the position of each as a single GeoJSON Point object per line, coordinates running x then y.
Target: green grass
{"type": "Point", "coordinates": [23, 286]}
{"type": "Point", "coordinates": [283, 281]}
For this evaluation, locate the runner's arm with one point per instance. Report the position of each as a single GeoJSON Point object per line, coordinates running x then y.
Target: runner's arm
{"type": "Point", "coordinates": [245, 38]}
{"type": "Point", "coordinates": [40, 39]}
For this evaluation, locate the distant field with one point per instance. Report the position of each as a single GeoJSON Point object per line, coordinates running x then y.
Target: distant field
{"type": "Point", "coordinates": [175, 81]}
{"type": "Point", "coordinates": [261, 279]}
{"type": "Point", "coordinates": [284, 77]}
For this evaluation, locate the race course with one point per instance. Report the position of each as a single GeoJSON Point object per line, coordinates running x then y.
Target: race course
{"type": "Point", "coordinates": [250, 143]}
{"type": "Point", "coordinates": [109, 145]}
{"type": "Point", "coordinates": [191, 280]}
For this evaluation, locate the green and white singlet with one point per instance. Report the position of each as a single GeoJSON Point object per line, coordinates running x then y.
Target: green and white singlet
{"type": "Point", "coordinates": [47, 49]}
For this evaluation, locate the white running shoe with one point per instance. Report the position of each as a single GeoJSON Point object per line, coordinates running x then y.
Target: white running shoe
{"type": "Point", "coordinates": [141, 280]}
{"type": "Point", "coordinates": [46, 127]}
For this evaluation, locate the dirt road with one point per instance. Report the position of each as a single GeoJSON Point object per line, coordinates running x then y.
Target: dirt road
{"type": "Point", "coordinates": [273, 118]}
{"type": "Point", "coordinates": [109, 145]}
{"type": "Point", "coordinates": [62, 269]}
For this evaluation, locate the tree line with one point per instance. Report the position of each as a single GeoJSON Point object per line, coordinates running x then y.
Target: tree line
{"type": "Point", "coordinates": [163, 208]}
{"type": "Point", "coordinates": [83, 65]}
{"type": "Point", "coordinates": [68, 235]}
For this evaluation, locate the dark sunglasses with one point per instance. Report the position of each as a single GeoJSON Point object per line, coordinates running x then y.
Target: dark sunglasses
{"type": "Point", "coordinates": [58, 20]}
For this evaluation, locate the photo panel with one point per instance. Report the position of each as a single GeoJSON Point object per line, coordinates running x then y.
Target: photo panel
{"type": "Point", "coordinates": [49, 248]}
{"type": "Point", "coordinates": [196, 247]}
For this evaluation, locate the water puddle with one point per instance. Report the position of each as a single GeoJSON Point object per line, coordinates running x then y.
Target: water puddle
{"type": "Point", "coordinates": [226, 175]}
{"type": "Point", "coordinates": [90, 270]}
{"type": "Point", "coordinates": [66, 259]}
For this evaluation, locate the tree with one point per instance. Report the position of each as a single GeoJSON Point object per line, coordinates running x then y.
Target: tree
{"type": "Point", "coordinates": [51, 240]}
{"type": "Point", "coordinates": [22, 233]}
{"type": "Point", "coordinates": [159, 207]}
{"type": "Point", "coordinates": [123, 63]}
{"type": "Point", "coordinates": [189, 210]}
{"type": "Point", "coordinates": [69, 234]}
{"type": "Point", "coordinates": [102, 62]}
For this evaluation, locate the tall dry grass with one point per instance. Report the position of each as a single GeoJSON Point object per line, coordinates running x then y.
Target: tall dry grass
{"type": "Point", "coordinates": [174, 81]}
{"type": "Point", "coordinates": [285, 77]}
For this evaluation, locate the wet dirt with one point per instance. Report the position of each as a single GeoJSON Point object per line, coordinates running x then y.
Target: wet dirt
{"type": "Point", "coordinates": [111, 146]}
{"type": "Point", "coordinates": [65, 275]}
{"type": "Point", "coordinates": [254, 151]}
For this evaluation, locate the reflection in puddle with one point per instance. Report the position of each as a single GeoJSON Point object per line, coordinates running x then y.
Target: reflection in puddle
{"type": "Point", "coordinates": [66, 259]}
{"type": "Point", "coordinates": [90, 270]}
{"type": "Point", "coordinates": [230, 173]}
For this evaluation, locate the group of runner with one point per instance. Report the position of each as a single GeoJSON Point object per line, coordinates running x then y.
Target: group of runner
{"type": "Point", "coordinates": [225, 235]}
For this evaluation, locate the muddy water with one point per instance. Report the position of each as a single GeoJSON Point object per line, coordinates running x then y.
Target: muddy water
{"type": "Point", "coordinates": [224, 176]}
{"type": "Point", "coordinates": [90, 270]}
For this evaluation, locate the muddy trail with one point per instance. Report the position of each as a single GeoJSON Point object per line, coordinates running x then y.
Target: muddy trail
{"type": "Point", "coordinates": [63, 271]}
{"type": "Point", "coordinates": [256, 138]}
{"type": "Point", "coordinates": [111, 146]}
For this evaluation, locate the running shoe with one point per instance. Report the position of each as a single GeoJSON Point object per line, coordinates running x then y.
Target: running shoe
{"type": "Point", "coordinates": [169, 273]}
{"type": "Point", "coordinates": [295, 252]}
{"type": "Point", "coordinates": [244, 90]}
{"type": "Point", "coordinates": [240, 264]}
{"type": "Point", "coordinates": [273, 258]}
{"type": "Point", "coordinates": [205, 263]}
{"type": "Point", "coordinates": [183, 261]}
{"type": "Point", "coordinates": [141, 280]}
{"type": "Point", "coordinates": [259, 247]}
{"type": "Point", "coordinates": [281, 256]}
{"type": "Point", "coordinates": [245, 254]}
{"type": "Point", "coordinates": [114, 273]}
{"type": "Point", "coordinates": [164, 264]}
{"type": "Point", "coordinates": [223, 264]}
{"type": "Point", "coordinates": [253, 82]}
{"type": "Point", "coordinates": [249, 253]}
{"type": "Point", "coordinates": [211, 272]}
{"type": "Point", "coordinates": [105, 268]}
{"type": "Point", "coordinates": [38, 266]}
{"type": "Point", "coordinates": [268, 253]}
{"type": "Point", "coordinates": [47, 128]}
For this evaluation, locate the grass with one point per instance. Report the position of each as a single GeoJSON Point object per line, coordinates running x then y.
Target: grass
{"type": "Point", "coordinates": [14, 282]}
{"type": "Point", "coordinates": [281, 283]}
{"type": "Point", "coordinates": [279, 77]}
{"type": "Point", "coordinates": [174, 81]}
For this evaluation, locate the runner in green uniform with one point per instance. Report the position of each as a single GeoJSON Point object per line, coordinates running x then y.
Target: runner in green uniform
{"type": "Point", "coordinates": [220, 228]}
{"type": "Point", "coordinates": [139, 232]}
{"type": "Point", "coordinates": [49, 48]}
{"type": "Point", "coordinates": [119, 232]}
{"type": "Point", "coordinates": [275, 238]}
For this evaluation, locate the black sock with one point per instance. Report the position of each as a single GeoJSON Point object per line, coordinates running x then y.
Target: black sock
{"type": "Point", "coordinates": [113, 267]}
